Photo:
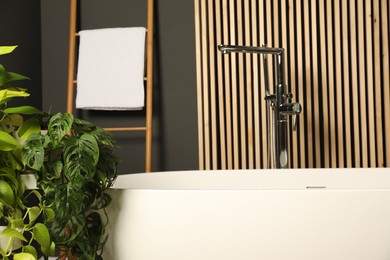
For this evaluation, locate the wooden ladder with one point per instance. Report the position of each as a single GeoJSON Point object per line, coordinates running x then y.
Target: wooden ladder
{"type": "Point", "coordinates": [148, 78]}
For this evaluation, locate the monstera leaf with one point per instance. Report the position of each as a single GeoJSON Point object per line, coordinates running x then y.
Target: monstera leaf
{"type": "Point", "coordinates": [34, 151]}
{"type": "Point", "coordinates": [81, 155]}
{"type": "Point", "coordinates": [59, 125]}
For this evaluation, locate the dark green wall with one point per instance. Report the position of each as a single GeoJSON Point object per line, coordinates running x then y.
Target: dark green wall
{"type": "Point", "coordinates": [175, 120]}
{"type": "Point", "coordinates": [20, 25]}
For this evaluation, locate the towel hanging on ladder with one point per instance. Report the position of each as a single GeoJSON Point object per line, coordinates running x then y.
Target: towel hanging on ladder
{"type": "Point", "coordinates": [110, 73]}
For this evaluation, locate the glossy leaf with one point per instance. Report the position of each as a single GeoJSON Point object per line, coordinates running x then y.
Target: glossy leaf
{"type": "Point", "coordinates": [6, 94]}
{"type": "Point", "coordinates": [59, 125]}
{"type": "Point", "coordinates": [81, 156]}
{"type": "Point", "coordinates": [7, 142]}
{"type": "Point", "coordinates": [24, 110]}
{"type": "Point", "coordinates": [30, 250]}
{"type": "Point", "coordinates": [11, 232]}
{"type": "Point", "coordinates": [6, 76]}
{"type": "Point", "coordinates": [42, 236]}
{"type": "Point", "coordinates": [30, 126]}
{"type": "Point", "coordinates": [7, 49]}
{"type": "Point", "coordinates": [33, 213]}
{"type": "Point", "coordinates": [24, 256]}
{"type": "Point", "coordinates": [33, 152]}
{"type": "Point", "coordinates": [49, 214]}
{"type": "Point", "coordinates": [6, 193]}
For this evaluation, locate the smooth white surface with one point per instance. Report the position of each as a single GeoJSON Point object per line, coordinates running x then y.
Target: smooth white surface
{"type": "Point", "coordinates": [269, 215]}
{"type": "Point", "coordinates": [373, 178]}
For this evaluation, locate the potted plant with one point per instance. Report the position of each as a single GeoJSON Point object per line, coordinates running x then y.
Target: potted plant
{"type": "Point", "coordinates": [75, 166]}
{"type": "Point", "coordinates": [24, 233]}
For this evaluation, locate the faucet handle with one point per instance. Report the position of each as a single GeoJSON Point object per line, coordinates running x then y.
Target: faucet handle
{"type": "Point", "coordinates": [292, 109]}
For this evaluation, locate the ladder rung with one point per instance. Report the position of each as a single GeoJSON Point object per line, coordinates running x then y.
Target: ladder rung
{"type": "Point", "coordinates": [78, 34]}
{"type": "Point", "coordinates": [117, 129]}
{"type": "Point", "coordinates": [75, 80]}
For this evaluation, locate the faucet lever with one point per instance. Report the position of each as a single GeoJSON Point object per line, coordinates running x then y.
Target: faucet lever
{"type": "Point", "coordinates": [292, 109]}
{"type": "Point", "coordinates": [295, 122]}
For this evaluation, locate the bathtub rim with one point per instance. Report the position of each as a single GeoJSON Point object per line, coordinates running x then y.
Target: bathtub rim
{"type": "Point", "coordinates": [263, 179]}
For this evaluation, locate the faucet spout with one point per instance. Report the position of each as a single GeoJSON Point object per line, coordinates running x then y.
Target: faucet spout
{"type": "Point", "coordinates": [249, 49]}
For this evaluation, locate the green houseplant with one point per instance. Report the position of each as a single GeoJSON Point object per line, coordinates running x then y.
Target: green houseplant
{"type": "Point", "coordinates": [75, 166]}
{"type": "Point", "coordinates": [22, 222]}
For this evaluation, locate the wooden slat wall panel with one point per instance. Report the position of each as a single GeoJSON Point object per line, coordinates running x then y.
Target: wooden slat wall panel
{"type": "Point", "coordinates": [337, 67]}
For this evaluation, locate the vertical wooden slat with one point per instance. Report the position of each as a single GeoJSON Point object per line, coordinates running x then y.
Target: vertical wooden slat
{"type": "Point", "coordinates": [300, 92]}
{"type": "Point", "coordinates": [309, 115]}
{"type": "Point", "coordinates": [315, 81]}
{"type": "Point", "coordinates": [386, 75]}
{"type": "Point", "coordinates": [324, 83]}
{"type": "Point", "coordinates": [262, 24]}
{"type": "Point", "coordinates": [226, 40]}
{"type": "Point", "coordinates": [221, 106]}
{"type": "Point", "coordinates": [205, 77]}
{"type": "Point", "coordinates": [249, 86]}
{"type": "Point", "coordinates": [362, 80]}
{"type": "Point", "coordinates": [212, 86]}
{"type": "Point", "coordinates": [346, 83]}
{"type": "Point", "coordinates": [270, 42]}
{"type": "Point", "coordinates": [355, 87]}
{"type": "Point", "coordinates": [378, 84]}
{"type": "Point", "coordinates": [232, 16]}
{"type": "Point", "coordinates": [293, 86]}
{"type": "Point", "coordinates": [370, 85]}
{"type": "Point", "coordinates": [199, 84]}
{"type": "Point", "coordinates": [241, 86]}
{"type": "Point", "coordinates": [276, 24]}
{"type": "Point", "coordinates": [339, 85]}
{"type": "Point", "coordinates": [332, 125]}
{"type": "Point", "coordinates": [256, 87]}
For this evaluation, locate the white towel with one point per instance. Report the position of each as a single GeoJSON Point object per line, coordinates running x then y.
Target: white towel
{"type": "Point", "coordinates": [110, 72]}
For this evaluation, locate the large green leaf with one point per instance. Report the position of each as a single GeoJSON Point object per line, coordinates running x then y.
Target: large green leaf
{"type": "Point", "coordinates": [7, 142]}
{"type": "Point", "coordinates": [30, 250]}
{"type": "Point", "coordinates": [30, 126]}
{"type": "Point", "coordinates": [59, 125]}
{"type": "Point", "coordinates": [24, 110]}
{"type": "Point", "coordinates": [42, 236]}
{"type": "Point", "coordinates": [24, 256]}
{"type": "Point", "coordinates": [34, 151]}
{"type": "Point", "coordinates": [81, 156]}
{"type": "Point", "coordinates": [6, 193]}
{"type": "Point", "coordinates": [6, 94]}
{"type": "Point", "coordinates": [6, 76]}
{"type": "Point", "coordinates": [11, 232]}
{"type": "Point", "coordinates": [9, 176]}
{"type": "Point", "coordinates": [7, 49]}
{"type": "Point", "coordinates": [33, 213]}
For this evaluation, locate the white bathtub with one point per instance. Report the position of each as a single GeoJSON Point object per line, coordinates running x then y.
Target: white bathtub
{"type": "Point", "coordinates": [325, 214]}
